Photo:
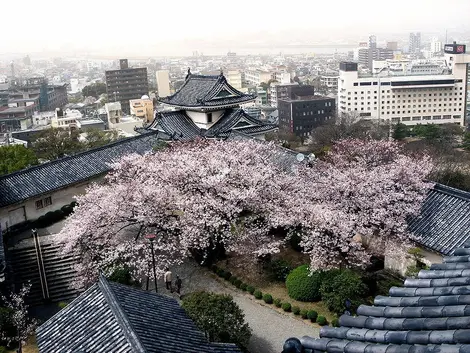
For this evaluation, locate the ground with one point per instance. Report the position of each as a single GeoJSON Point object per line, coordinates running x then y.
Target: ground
{"type": "Point", "coordinates": [270, 327]}
{"type": "Point", "coordinates": [244, 268]}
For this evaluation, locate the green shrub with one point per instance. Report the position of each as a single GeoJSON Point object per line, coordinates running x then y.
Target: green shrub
{"type": "Point", "coordinates": [312, 315]}
{"type": "Point", "coordinates": [3, 349]}
{"type": "Point", "coordinates": [335, 322]}
{"type": "Point", "coordinates": [278, 270]}
{"type": "Point", "coordinates": [303, 285]}
{"type": "Point", "coordinates": [232, 279]}
{"type": "Point", "coordinates": [286, 307]}
{"type": "Point", "coordinates": [344, 286]}
{"type": "Point", "coordinates": [277, 302]}
{"type": "Point", "coordinates": [243, 286]}
{"type": "Point", "coordinates": [258, 294]}
{"type": "Point", "coordinates": [268, 298]}
{"type": "Point", "coordinates": [62, 305]}
{"type": "Point", "coordinates": [237, 283]}
{"type": "Point", "coordinates": [250, 289]}
{"type": "Point", "coordinates": [321, 320]}
{"type": "Point", "coordinates": [123, 275]}
{"type": "Point", "coordinates": [296, 310]}
{"type": "Point", "coordinates": [221, 272]}
{"type": "Point", "coordinates": [214, 268]}
{"type": "Point", "coordinates": [303, 313]}
{"type": "Point", "coordinates": [227, 275]}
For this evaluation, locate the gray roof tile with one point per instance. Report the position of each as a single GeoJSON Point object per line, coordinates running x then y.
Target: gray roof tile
{"type": "Point", "coordinates": [50, 176]}
{"type": "Point", "coordinates": [430, 314]}
{"type": "Point", "coordinates": [206, 92]}
{"type": "Point", "coordinates": [111, 317]}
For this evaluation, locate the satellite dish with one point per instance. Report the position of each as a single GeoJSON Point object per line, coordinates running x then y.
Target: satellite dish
{"type": "Point", "coordinates": [300, 157]}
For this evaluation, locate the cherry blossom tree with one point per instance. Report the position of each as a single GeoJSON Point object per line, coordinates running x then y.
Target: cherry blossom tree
{"type": "Point", "coordinates": [198, 194]}
{"type": "Point", "coordinates": [191, 196]}
{"type": "Point", "coordinates": [361, 197]}
{"type": "Point", "coordinates": [20, 320]}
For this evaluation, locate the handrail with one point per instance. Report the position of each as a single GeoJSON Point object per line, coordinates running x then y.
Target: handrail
{"type": "Point", "coordinates": [42, 270]}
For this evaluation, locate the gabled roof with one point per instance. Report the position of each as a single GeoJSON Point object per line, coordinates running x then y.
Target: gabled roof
{"type": "Point", "coordinates": [206, 92]}
{"type": "Point", "coordinates": [179, 126]}
{"type": "Point", "coordinates": [50, 176]}
{"type": "Point", "coordinates": [429, 314]}
{"type": "Point", "coordinates": [444, 221]}
{"type": "Point", "coordinates": [111, 317]}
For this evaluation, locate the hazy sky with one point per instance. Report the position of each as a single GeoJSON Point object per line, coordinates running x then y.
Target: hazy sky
{"type": "Point", "coordinates": [32, 25]}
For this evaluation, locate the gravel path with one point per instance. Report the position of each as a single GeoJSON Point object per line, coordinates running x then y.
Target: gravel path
{"type": "Point", "coordinates": [270, 328]}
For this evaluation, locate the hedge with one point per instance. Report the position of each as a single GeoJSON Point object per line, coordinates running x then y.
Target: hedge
{"type": "Point", "coordinates": [268, 298]}
{"type": "Point", "coordinates": [237, 283]}
{"type": "Point", "coordinates": [303, 285]}
{"type": "Point", "coordinates": [303, 313]}
{"type": "Point", "coordinates": [243, 286]}
{"type": "Point", "coordinates": [277, 302]}
{"type": "Point", "coordinates": [250, 289]}
{"type": "Point", "coordinates": [227, 275]}
{"type": "Point", "coordinates": [286, 307]}
{"type": "Point", "coordinates": [335, 322]}
{"type": "Point", "coordinates": [296, 310]}
{"type": "Point", "coordinates": [258, 294]}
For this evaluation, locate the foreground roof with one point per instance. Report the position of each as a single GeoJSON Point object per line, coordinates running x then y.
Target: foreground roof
{"type": "Point", "coordinates": [180, 126]}
{"type": "Point", "coordinates": [444, 221]}
{"type": "Point", "coordinates": [111, 317]}
{"type": "Point", "coordinates": [429, 314]}
{"type": "Point", "coordinates": [206, 92]}
{"type": "Point", "coordinates": [50, 176]}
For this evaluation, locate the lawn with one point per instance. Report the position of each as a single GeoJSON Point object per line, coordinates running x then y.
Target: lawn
{"type": "Point", "coordinates": [247, 270]}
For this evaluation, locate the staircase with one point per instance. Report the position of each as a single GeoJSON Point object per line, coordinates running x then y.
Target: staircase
{"type": "Point", "coordinates": [39, 261]}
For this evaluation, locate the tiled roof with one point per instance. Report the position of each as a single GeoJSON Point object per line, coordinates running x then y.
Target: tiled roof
{"type": "Point", "coordinates": [199, 91]}
{"type": "Point", "coordinates": [429, 314]}
{"type": "Point", "coordinates": [111, 317]}
{"type": "Point", "coordinates": [181, 127]}
{"type": "Point", "coordinates": [50, 176]}
{"type": "Point", "coordinates": [444, 221]}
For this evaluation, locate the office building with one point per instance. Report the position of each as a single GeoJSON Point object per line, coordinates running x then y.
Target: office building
{"type": "Point", "coordinates": [163, 83]}
{"type": "Point", "coordinates": [125, 84]}
{"type": "Point", "coordinates": [302, 111]}
{"type": "Point", "coordinates": [279, 91]}
{"type": "Point", "coordinates": [409, 99]}
{"type": "Point", "coordinates": [415, 44]}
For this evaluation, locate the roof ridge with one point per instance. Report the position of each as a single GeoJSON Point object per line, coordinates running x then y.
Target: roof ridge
{"type": "Point", "coordinates": [452, 191]}
{"type": "Point", "coordinates": [121, 316]}
{"type": "Point", "coordinates": [56, 161]}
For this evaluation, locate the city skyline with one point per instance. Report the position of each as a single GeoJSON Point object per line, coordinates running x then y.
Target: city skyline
{"type": "Point", "coordinates": [100, 27]}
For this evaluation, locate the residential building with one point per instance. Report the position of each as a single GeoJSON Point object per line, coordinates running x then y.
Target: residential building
{"type": "Point", "coordinates": [282, 77]}
{"type": "Point", "coordinates": [207, 107]}
{"type": "Point", "coordinates": [163, 83]}
{"type": "Point", "coordinates": [66, 119]}
{"type": "Point", "coordinates": [142, 108]}
{"type": "Point", "coordinates": [234, 78]}
{"type": "Point", "coordinates": [111, 317]}
{"type": "Point", "coordinates": [366, 56]}
{"type": "Point", "coordinates": [256, 77]}
{"type": "Point", "coordinates": [410, 99]}
{"type": "Point", "coordinates": [436, 47]}
{"type": "Point", "coordinates": [125, 84]}
{"type": "Point", "coordinates": [414, 46]}
{"type": "Point", "coordinates": [16, 118]}
{"type": "Point", "coordinates": [113, 112]}
{"type": "Point", "coordinates": [278, 91]}
{"type": "Point", "coordinates": [427, 314]}
{"type": "Point", "coordinates": [329, 80]}
{"type": "Point", "coordinates": [302, 111]}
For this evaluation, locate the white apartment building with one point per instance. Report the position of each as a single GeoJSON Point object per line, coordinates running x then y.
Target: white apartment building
{"type": "Point", "coordinates": [409, 99]}
{"type": "Point", "coordinates": [256, 77]}
{"type": "Point", "coordinates": [330, 81]}
{"type": "Point", "coordinates": [163, 83]}
{"type": "Point", "coordinates": [234, 78]}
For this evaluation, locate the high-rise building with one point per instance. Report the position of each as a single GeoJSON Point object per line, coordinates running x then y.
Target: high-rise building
{"type": "Point", "coordinates": [163, 83]}
{"type": "Point", "coordinates": [408, 99]}
{"type": "Point", "coordinates": [366, 56]}
{"type": "Point", "coordinates": [125, 84]}
{"type": "Point", "coordinates": [436, 46]}
{"type": "Point", "coordinates": [302, 111]}
{"type": "Point", "coordinates": [415, 44]}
